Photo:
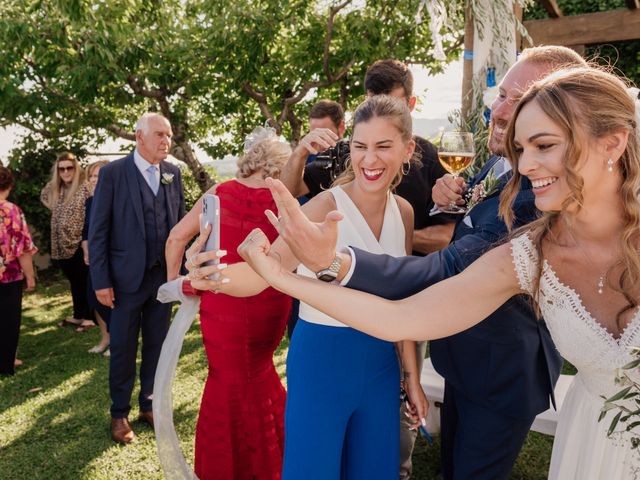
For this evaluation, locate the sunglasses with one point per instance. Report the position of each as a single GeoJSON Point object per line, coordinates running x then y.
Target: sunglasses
{"type": "Point", "coordinates": [66, 169]}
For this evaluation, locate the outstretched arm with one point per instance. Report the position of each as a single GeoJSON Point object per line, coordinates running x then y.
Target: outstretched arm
{"type": "Point", "coordinates": [239, 279]}
{"type": "Point", "coordinates": [442, 310]}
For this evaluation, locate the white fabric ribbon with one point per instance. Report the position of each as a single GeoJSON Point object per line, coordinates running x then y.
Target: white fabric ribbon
{"type": "Point", "coordinates": [173, 463]}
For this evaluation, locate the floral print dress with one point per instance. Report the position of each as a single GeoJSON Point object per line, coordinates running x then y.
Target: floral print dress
{"type": "Point", "coordinates": [15, 240]}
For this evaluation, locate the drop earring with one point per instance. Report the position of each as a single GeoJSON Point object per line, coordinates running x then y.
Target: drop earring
{"type": "Point", "coordinates": [609, 165]}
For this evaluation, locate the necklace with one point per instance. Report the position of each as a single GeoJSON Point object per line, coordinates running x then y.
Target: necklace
{"type": "Point", "coordinates": [603, 275]}
{"type": "Point", "coordinates": [601, 278]}
{"type": "Point", "coordinates": [601, 283]}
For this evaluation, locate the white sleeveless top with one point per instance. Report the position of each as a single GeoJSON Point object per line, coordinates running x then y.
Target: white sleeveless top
{"type": "Point", "coordinates": [354, 231]}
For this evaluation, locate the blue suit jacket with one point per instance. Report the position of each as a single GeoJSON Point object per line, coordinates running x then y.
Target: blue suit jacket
{"type": "Point", "coordinates": [507, 362]}
{"type": "Point", "coordinates": [116, 230]}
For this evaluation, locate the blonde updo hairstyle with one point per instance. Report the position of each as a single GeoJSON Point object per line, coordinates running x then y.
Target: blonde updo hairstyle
{"type": "Point", "coordinates": [586, 103]}
{"type": "Point", "coordinates": [394, 109]}
{"type": "Point", "coordinates": [267, 156]}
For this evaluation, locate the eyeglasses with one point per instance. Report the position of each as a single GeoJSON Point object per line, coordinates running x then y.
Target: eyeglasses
{"type": "Point", "coordinates": [66, 169]}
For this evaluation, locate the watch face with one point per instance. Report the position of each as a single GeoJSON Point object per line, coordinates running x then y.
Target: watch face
{"type": "Point", "coordinates": [327, 277]}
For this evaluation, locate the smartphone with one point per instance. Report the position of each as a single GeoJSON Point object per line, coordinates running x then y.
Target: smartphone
{"type": "Point", "coordinates": [211, 216]}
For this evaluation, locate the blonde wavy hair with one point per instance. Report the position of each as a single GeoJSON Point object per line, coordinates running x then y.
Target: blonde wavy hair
{"type": "Point", "coordinates": [93, 165]}
{"type": "Point", "coordinates": [586, 103]}
{"type": "Point", "coordinates": [268, 156]}
{"type": "Point", "coordinates": [55, 187]}
{"type": "Point", "coordinates": [397, 111]}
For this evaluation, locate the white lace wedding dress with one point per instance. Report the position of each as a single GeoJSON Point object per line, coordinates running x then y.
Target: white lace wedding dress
{"type": "Point", "coordinates": [581, 449]}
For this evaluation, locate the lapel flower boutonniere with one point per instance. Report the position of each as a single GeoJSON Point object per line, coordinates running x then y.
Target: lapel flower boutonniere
{"type": "Point", "coordinates": [167, 178]}
{"type": "Point", "coordinates": [481, 190]}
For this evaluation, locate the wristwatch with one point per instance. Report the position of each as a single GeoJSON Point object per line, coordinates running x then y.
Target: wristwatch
{"type": "Point", "coordinates": [330, 273]}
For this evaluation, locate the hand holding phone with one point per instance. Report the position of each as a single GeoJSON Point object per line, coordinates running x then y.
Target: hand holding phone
{"type": "Point", "coordinates": [211, 216]}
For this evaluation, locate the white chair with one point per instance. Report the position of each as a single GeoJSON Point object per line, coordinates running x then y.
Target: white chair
{"type": "Point", "coordinates": [433, 385]}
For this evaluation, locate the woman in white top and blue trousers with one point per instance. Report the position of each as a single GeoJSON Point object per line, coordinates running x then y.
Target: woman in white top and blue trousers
{"type": "Point", "coordinates": [342, 412]}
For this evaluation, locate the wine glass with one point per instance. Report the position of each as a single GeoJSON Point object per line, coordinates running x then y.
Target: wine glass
{"type": "Point", "coordinates": [456, 152]}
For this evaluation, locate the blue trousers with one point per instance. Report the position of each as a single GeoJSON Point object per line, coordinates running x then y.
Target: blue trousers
{"type": "Point", "coordinates": [342, 412]}
{"type": "Point", "coordinates": [134, 313]}
{"type": "Point", "coordinates": [478, 443]}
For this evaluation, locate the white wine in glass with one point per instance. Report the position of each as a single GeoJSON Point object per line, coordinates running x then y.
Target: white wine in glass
{"type": "Point", "coordinates": [456, 152]}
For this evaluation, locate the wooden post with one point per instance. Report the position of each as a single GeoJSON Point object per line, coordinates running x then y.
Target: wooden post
{"type": "Point", "coordinates": [517, 12]}
{"type": "Point", "coordinates": [586, 29]}
{"type": "Point", "coordinates": [467, 66]}
{"type": "Point", "coordinates": [579, 49]}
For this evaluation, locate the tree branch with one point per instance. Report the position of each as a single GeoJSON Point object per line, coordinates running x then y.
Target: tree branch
{"type": "Point", "coordinates": [331, 78]}
{"type": "Point", "coordinates": [41, 130]}
{"type": "Point", "coordinates": [45, 133]}
{"type": "Point", "coordinates": [333, 11]}
{"type": "Point", "coordinates": [261, 99]}
{"type": "Point", "coordinates": [140, 90]}
{"type": "Point", "coordinates": [296, 126]}
{"type": "Point", "coordinates": [319, 84]}
{"type": "Point", "coordinates": [121, 132]}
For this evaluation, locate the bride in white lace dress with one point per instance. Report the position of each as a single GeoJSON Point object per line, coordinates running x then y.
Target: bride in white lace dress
{"type": "Point", "coordinates": [575, 136]}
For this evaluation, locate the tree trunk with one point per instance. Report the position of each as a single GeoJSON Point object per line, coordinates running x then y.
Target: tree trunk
{"type": "Point", "coordinates": [183, 151]}
{"type": "Point", "coordinates": [296, 127]}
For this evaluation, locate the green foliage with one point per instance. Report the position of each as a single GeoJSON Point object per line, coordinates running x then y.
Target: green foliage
{"type": "Point", "coordinates": [31, 164]}
{"type": "Point", "coordinates": [215, 68]}
{"type": "Point", "coordinates": [191, 188]}
{"type": "Point", "coordinates": [625, 403]}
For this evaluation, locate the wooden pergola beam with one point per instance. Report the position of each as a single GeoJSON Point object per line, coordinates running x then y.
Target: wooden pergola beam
{"type": "Point", "coordinates": [632, 4]}
{"type": "Point", "coordinates": [552, 8]}
{"type": "Point", "coordinates": [589, 28]}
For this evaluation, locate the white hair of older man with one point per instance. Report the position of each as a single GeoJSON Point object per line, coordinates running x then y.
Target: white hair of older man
{"type": "Point", "coordinates": [143, 122]}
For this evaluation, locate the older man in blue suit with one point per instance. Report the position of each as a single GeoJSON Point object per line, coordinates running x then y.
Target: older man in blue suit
{"type": "Point", "coordinates": [498, 374]}
{"type": "Point", "coordinates": [137, 201]}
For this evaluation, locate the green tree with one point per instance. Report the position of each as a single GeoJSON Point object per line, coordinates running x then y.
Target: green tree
{"type": "Point", "coordinates": [83, 70]}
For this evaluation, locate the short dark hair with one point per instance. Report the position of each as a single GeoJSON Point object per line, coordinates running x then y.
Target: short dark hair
{"type": "Point", "coordinates": [6, 178]}
{"type": "Point", "coordinates": [328, 108]}
{"type": "Point", "coordinates": [384, 76]}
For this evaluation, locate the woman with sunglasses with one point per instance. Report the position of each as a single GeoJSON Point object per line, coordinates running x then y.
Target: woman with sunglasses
{"type": "Point", "coordinates": [65, 195]}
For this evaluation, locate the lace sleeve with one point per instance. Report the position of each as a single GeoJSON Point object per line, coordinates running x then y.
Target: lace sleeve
{"type": "Point", "coordinates": [525, 261]}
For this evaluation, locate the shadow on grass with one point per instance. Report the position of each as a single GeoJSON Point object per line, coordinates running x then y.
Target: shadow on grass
{"type": "Point", "coordinates": [62, 430]}
{"type": "Point", "coordinates": [54, 413]}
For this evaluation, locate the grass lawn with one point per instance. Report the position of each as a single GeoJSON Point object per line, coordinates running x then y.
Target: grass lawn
{"type": "Point", "coordinates": [54, 413]}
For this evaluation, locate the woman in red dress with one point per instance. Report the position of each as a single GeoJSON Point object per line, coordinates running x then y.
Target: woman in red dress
{"type": "Point", "coordinates": [240, 433]}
